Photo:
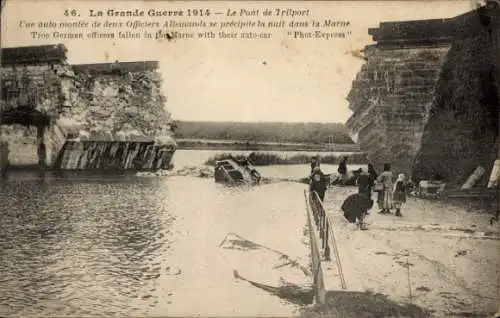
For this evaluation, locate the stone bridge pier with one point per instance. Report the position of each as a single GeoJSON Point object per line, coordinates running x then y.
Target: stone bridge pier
{"type": "Point", "coordinates": [30, 103]}
{"type": "Point", "coordinates": [426, 100]}
{"type": "Point", "coordinates": [105, 116]}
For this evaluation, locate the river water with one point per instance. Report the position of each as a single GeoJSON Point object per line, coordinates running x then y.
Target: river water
{"type": "Point", "coordinates": [151, 246]}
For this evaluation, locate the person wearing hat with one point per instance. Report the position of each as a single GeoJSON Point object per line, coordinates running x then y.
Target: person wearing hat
{"type": "Point", "coordinates": [342, 170]}
{"type": "Point", "coordinates": [318, 182]}
{"type": "Point", "coordinates": [314, 162]}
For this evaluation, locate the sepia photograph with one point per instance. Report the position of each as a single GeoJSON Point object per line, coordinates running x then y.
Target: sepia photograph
{"type": "Point", "coordinates": [250, 158]}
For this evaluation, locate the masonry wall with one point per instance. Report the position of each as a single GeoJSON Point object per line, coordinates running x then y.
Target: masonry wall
{"type": "Point", "coordinates": [34, 86]}
{"type": "Point", "coordinates": [390, 98]}
{"type": "Point", "coordinates": [107, 102]}
{"type": "Point", "coordinates": [463, 122]}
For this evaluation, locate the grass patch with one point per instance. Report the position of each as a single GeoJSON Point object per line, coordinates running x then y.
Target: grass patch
{"type": "Point", "coordinates": [266, 159]}
{"type": "Point", "coordinates": [264, 132]}
{"type": "Point", "coordinates": [363, 305]}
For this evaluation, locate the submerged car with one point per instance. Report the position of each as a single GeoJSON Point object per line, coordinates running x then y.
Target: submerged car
{"type": "Point", "coordinates": [233, 172]}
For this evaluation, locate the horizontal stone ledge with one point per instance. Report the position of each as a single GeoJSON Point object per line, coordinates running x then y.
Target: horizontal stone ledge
{"type": "Point", "coordinates": [136, 66]}
{"type": "Point", "coordinates": [370, 138]}
{"type": "Point", "coordinates": [42, 68]}
{"type": "Point", "coordinates": [33, 54]}
{"type": "Point", "coordinates": [359, 120]}
{"type": "Point", "coordinates": [359, 125]}
{"type": "Point", "coordinates": [412, 44]}
{"type": "Point", "coordinates": [404, 91]}
{"type": "Point", "coordinates": [412, 83]}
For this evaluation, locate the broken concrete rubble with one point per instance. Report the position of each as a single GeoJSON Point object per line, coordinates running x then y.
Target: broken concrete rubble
{"type": "Point", "coordinates": [111, 101]}
{"type": "Point", "coordinates": [107, 102]}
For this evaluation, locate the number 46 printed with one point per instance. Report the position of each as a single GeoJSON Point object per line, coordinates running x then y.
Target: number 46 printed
{"type": "Point", "coordinates": [72, 13]}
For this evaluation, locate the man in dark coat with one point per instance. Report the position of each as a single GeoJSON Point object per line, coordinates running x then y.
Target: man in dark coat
{"type": "Point", "coordinates": [314, 163]}
{"type": "Point", "coordinates": [365, 183]}
{"type": "Point", "coordinates": [342, 170]}
{"type": "Point", "coordinates": [355, 208]}
{"type": "Point", "coordinates": [318, 182]}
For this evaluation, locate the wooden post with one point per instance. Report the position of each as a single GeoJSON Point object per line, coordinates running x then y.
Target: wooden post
{"type": "Point", "coordinates": [495, 175]}
{"type": "Point", "coordinates": [474, 178]}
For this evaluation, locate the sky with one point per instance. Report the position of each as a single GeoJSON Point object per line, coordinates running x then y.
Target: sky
{"type": "Point", "coordinates": [281, 79]}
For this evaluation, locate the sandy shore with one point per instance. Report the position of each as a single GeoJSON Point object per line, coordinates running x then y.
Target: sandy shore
{"type": "Point", "coordinates": [438, 257]}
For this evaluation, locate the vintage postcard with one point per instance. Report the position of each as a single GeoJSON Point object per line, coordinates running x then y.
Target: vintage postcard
{"type": "Point", "coordinates": [249, 158]}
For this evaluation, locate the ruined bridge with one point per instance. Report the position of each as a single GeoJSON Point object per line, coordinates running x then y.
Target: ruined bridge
{"type": "Point", "coordinates": [426, 100]}
{"type": "Point", "coordinates": [107, 116]}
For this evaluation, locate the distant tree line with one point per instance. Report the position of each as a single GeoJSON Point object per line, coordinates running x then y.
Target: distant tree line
{"type": "Point", "coordinates": [265, 159]}
{"type": "Point", "coordinates": [315, 133]}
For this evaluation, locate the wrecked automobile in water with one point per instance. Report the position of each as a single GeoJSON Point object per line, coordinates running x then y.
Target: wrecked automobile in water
{"type": "Point", "coordinates": [230, 171]}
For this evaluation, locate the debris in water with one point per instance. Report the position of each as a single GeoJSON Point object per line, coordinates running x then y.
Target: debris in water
{"type": "Point", "coordinates": [405, 264]}
{"type": "Point", "coordinates": [461, 253]}
{"type": "Point", "coordinates": [171, 271]}
{"type": "Point", "coordinates": [242, 244]}
{"type": "Point", "coordinates": [236, 275]}
{"type": "Point", "coordinates": [301, 295]}
{"type": "Point", "coordinates": [423, 289]}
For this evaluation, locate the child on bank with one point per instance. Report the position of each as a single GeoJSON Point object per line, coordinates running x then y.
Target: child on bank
{"type": "Point", "coordinates": [399, 194]}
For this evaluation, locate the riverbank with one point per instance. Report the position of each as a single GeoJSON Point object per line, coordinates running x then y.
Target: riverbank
{"type": "Point", "coordinates": [202, 144]}
{"type": "Point", "coordinates": [265, 159]}
{"type": "Point", "coordinates": [440, 258]}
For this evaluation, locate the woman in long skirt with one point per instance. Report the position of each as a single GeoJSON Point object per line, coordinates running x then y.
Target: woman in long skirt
{"type": "Point", "coordinates": [399, 193]}
{"type": "Point", "coordinates": [386, 179]}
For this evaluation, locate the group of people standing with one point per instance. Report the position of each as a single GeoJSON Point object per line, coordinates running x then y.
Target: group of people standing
{"type": "Point", "coordinates": [391, 194]}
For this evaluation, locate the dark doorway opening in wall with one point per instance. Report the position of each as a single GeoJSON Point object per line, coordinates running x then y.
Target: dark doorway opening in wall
{"type": "Point", "coordinates": [23, 128]}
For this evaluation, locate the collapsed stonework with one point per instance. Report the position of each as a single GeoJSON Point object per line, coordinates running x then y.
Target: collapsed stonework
{"type": "Point", "coordinates": [425, 100]}
{"type": "Point", "coordinates": [118, 104]}
{"type": "Point", "coordinates": [394, 88]}
{"type": "Point", "coordinates": [122, 99]}
{"type": "Point", "coordinates": [463, 125]}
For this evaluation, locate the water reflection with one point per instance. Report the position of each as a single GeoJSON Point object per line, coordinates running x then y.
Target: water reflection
{"type": "Point", "coordinates": [130, 246]}
{"type": "Point", "coordinates": [71, 247]}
